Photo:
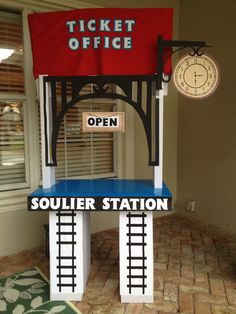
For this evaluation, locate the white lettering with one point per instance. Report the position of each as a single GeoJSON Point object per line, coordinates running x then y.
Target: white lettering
{"type": "Point", "coordinates": [92, 25]}
{"type": "Point", "coordinates": [64, 204]}
{"type": "Point", "coordinates": [55, 203]}
{"type": "Point", "coordinates": [80, 203]}
{"type": "Point", "coordinates": [134, 203]}
{"type": "Point", "coordinates": [72, 203]}
{"type": "Point", "coordinates": [44, 203]}
{"type": "Point", "coordinates": [81, 26]}
{"type": "Point", "coordinates": [105, 203]}
{"type": "Point", "coordinates": [96, 42]}
{"type": "Point", "coordinates": [127, 42]}
{"type": "Point", "coordinates": [34, 203]}
{"type": "Point", "coordinates": [150, 204]}
{"type": "Point", "coordinates": [86, 42]}
{"type": "Point", "coordinates": [162, 204]}
{"type": "Point", "coordinates": [104, 27]}
{"type": "Point", "coordinates": [106, 42]}
{"type": "Point", "coordinates": [124, 204]}
{"type": "Point", "coordinates": [117, 25]}
{"type": "Point", "coordinates": [129, 24]}
{"type": "Point", "coordinates": [116, 42]}
{"type": "Point", "coordinates": [90, 203]}
{"type": "Point", "coordinates": [71, 26]}
{"type": "Point", "coordinates": [73, 43]}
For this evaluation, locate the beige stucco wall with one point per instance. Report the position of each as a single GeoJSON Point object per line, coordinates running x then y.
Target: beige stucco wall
{"type": "Point", "coordinates": [21, 230]}
{"type": "Point", "coordinates": [207, 128]}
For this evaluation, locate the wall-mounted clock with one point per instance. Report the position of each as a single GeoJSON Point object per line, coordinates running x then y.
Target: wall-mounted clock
{"type": "Point", "coordinates": [196, 76]}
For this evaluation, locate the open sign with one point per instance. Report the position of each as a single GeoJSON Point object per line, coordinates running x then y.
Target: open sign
{"type": "Point", "coordinates": [103, 122]}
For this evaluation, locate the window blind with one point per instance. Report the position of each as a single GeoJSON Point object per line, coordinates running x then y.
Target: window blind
{"type": "Point", "coordinates": [12, 147]}
{"type": "Point", "coordinates": [11, 53]}
{"type": "Point", "coordinates": [84, 154]}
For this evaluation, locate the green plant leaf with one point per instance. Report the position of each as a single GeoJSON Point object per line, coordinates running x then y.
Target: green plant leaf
{"type": "Point", "coordinates": [9, 283]}
{"type": "Point", "coordinates": [36, 302]}
{"type": "Point", "coordinates": [35, 291]}
{"type": "Point", "coordinates": [27, 282]}
{"type": "Point", "coordinates": [30, 273]}
{"type": "Point", "coordinates": [38, 285]}
{"type": "Point", "coordinates": [19, 309]}
{"type": "Point", "coordinates": [3, 306]}
{"type": "Point", "coordinates": [11, 295]}
{"type": "Point", "coordinates": [57, 309]}
{"type": "Point", "coordinates": [25, 295]}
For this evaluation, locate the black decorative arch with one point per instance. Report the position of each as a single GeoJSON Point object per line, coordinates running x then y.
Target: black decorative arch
{"type": "Point", "coordinates": [73, 85]}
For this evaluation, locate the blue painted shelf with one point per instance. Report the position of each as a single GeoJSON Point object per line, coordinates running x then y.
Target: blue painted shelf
{"type": "Point", "coordinates": [103, 188]}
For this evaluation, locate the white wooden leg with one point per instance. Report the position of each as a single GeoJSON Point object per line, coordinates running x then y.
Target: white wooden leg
{"type": "Point", "coordinates": [69, 254]}
{"type": "Point", "coordinates": [136, 257]}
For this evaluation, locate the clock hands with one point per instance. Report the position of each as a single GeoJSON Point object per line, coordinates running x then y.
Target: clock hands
{"type": "Point", "coordinates": [195, 77]}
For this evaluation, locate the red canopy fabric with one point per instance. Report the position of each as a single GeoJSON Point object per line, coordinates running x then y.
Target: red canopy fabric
{"type": "Point", "coordinates": [99, 41]}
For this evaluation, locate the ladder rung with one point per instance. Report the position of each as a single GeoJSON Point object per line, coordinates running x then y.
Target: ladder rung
{"type": "Point", "coordinates": [136, 276]}
{"type": "Point", "coordinates": [136, 225]}
{"type": "Point", "coordinates": [136, 234]}
{"type": "Point", "coordinates": [136, 257]}
{"type": "Point", "coordinates": [65, 214]}
{"type": "Point", "coordinates": [65, 233]}
{"type": "Point", "coordinates": [136, 267]}
{"type": "Point", "coordinates": [66, 242]}
{"type": "Point", "coordinates": [135, 243]}
{"type": "Point", "coordinates": [66, 276]}
{"type": "Point", "coordinates": [66, 285]}
{"type": "Point", "coordinates": [136, 215]}
{"type": "Point", "coordinates": [66, 257]}
{"type": "Point", "coordinates": [66, 224]}
{"type": "Point", "coordinates": [66, 267]}
{"type": "Point", "coordinates": [136, 286]}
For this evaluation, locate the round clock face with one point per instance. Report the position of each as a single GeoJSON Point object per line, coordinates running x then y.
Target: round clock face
{"type": "Point", "coordinates": [196, 76]}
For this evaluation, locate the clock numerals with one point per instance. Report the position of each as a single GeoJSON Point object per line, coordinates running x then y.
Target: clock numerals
{"type": "Point", "coordinates": [196, 76]}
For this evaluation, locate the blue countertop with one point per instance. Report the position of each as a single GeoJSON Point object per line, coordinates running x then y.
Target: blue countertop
{"type": "Point", "coordinates": [103, 187]}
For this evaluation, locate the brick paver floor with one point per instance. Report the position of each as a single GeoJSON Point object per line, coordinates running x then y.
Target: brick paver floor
{"type": "Point", "coordinates": [195, 270]}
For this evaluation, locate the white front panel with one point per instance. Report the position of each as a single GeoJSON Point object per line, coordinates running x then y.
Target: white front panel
{"type": "Point", "coordinates": [136, 256]}
{"type": "Point", "coordinates": [69, 258]}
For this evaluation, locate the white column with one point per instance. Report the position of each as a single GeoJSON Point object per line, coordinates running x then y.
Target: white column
{"type": "Point", "coordinates": [69, 254]}
{"type": "Point", "coordinates": [158, 170]}
{"type": "Point", "coordinates": [48, 173]}
{"type": "Point", "coordinates": [136, 257]}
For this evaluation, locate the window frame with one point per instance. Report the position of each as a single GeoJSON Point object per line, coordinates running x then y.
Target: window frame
{"type": "Point", "coordinates": [15, 198]}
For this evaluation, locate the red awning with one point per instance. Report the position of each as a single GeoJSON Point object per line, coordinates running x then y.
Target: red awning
{"type": "Point", "coordinates": [99, 41]}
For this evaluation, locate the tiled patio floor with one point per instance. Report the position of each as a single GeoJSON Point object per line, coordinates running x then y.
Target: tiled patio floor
{"type": "Point", "coordinates": [195, 270]}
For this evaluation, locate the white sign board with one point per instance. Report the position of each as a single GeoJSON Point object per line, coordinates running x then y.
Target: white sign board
{"type": "Point", "coordinates": [103, 121]}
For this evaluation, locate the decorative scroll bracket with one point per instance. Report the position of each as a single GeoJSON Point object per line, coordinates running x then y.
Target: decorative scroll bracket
{"type": "Point", "coordinates": [162, 44]}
